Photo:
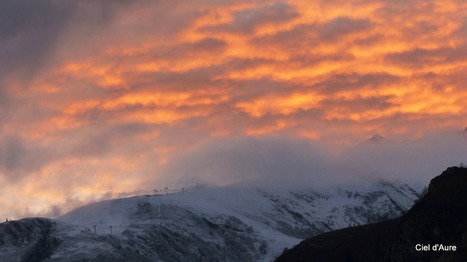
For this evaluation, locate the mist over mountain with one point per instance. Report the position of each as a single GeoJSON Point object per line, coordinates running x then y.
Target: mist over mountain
{"type": "Point", "coordinates": [263, 194]}
{"type": "Point", "coordinates": [231, 223]}
{"type": "Point", "coordinates": [277, 192]}
{"type": "Point", "coordinates": [268, 162]}
{"type": "Point", "coordinates": [275, 161]}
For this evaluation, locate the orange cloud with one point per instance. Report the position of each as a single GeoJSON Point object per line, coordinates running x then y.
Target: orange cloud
{"type": "Point", "coordinates": [266, 129]}
{"type": "Point", "coordinates": [284, 105]}
{"type": "Point", "coordinates": [154, 76]}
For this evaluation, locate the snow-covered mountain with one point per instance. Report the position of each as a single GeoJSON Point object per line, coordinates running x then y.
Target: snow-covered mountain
{"type": "Point", "coordinates": [231, 223]}
{"type": "Point", "coordinates": [438, 218]}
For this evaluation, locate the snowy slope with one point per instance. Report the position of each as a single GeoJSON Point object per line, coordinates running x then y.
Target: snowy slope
{"type": "Point", "coordinates": [219, 223]}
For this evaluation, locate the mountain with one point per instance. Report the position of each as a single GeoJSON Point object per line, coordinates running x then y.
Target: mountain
{"type": "Point", "coordinates": [231, 223]}
{"type": "Point", "coordinates": [434, 229]}
{"type": "Point", "coordinates": [377, 139]}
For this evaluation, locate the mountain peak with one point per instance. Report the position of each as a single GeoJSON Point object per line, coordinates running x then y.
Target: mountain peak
{"type": "Point", "coordinates": [376, 138]}
{"type": "Point", "coordinates": [446, 189]}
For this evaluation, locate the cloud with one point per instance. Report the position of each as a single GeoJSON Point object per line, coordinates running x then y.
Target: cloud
{"type": "Point", "coordinates": [292, 163]}
{"type": "Point", "coordinates": [425, 58]}
{"type": "Point", "coordinates": [265, 161]}
{"type": "Point", "coordinates": [107, 96]}
{"type": "Point", "coordinates": [19, 158]}
{"type": "Point", "coordinates": [296, 37]}
{"type": "Point", "coordinates": [353, 82]}
{"type": "Point", "coordinates": [414, 161]}
{"type": "Point", "coordinates": [342, 26]}
{"type": "Point", "coordinates": [247, 20]}
{"type": "Point", "coordinates": [32, 33]}
{"type": "Point", "coordinates": [358, 105]}
{"type": "Point", "coordinates": [29, 32]}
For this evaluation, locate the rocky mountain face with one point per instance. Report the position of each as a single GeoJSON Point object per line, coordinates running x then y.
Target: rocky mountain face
{"type": "Point", "coordinates": [27, 240]}
{"type": "Point", "coordinates": [434, 229]}
{"type": "Point", "coordinates": [201, 224]}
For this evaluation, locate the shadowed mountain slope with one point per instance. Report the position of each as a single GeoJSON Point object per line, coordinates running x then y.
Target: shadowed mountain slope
{"type": "Point", "coordinates": [440, 217]}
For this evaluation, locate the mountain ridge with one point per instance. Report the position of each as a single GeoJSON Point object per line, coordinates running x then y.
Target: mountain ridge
{"type": "Point", "coordinates": [208, 224]}
{"type": "Point", "coordinates": [438, 218]}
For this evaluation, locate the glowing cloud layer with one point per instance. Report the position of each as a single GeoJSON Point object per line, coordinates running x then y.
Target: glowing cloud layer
{"type": "Point", "coordinates": [100, 98]}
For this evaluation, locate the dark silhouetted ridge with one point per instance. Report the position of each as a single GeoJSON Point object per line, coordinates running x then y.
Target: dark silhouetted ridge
{"type": "Point", "coordinates": [32, 238]}
{"type": "Point", "coordinates": [439, 217]}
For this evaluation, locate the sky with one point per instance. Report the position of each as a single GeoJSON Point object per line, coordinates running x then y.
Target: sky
{"type": "Point", "coordinates": [102, 99]}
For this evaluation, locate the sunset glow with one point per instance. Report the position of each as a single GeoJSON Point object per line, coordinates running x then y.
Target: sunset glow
{"type": "Point", "coordinates": [94, 102]}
